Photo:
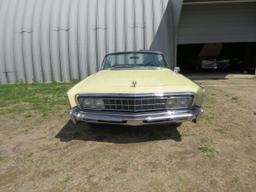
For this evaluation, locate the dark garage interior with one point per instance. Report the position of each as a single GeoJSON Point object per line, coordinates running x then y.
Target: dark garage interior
{"type": "Point", "coordinates": [217, 58]}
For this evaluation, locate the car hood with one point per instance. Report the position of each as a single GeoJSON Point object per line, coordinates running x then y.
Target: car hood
{"type": "Point", "coordinates": [134, 81]}
{"type": "Point", "coordinates": [122, 82]}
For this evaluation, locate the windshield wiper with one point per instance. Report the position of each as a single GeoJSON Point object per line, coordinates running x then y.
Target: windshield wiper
{"type": "Point", "coordinates": [129, 66]}
{"type": "Point", "coordinates": [120, 66]}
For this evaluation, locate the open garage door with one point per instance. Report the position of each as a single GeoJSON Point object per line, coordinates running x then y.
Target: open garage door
{"type": "Point", "coordinates": [205, 22]}
{"type": "Point", "coordinates": [217, 58]}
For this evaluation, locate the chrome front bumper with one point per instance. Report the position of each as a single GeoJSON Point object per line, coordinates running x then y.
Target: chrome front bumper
{"type": "Point", "coordinates": [135, 119]}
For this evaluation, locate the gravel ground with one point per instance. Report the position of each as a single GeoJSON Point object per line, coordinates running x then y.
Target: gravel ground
{"type": "Point", "coordinates": [216, 154]}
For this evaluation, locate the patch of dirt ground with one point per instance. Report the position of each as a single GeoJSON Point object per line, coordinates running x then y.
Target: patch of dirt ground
{"type": "Point", "coordinates": [216, 154]}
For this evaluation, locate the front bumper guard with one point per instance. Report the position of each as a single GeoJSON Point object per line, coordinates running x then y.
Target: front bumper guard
{"type": "Point", "coordinates": [135, 119]}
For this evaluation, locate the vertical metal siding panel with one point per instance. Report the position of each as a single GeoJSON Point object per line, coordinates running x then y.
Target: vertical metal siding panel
{"type": "Point", "coordinates": [3, 13]}
{"type": "Point", "coordinates": [9, 49]}
{"type": "Point", "coordinates": [111, 26]}
{"type": "Point", "coordinates": [64, 45]}
{"type": "Point", "coordinates": [144, 24]}
{"type": "Point", "coordinates": [101, 32]}
{"type": "Point", "coordinates": [120, 33]}
{"type": "Point", "coordinates": [73, 50]}
{"type": "Point", "coordinates": [92, 25]}
{"type": "Point", "coordinates": [36, 41]}
{"type": "Point", "coordinates": [125, 25]}
{"type": "Point", "coordinates": [130, 24]}
{"type": "Point", "coordinates": [148, 23]}
{"type": "Point", "coordinates": [45, 40]}
{"type": "Point", "coordinates": [162, 6]}
{"type": "Point", "coordinates": [106, 26]}
{"type": "Point", "coordinates": [1, 63]}
{"type": "Point", "coordinates": [54, 40]}
{"type": "Point", "coordinates": [153, 17]}
{"type": "Point", "coordinates": [18, 48]}
{"type": "Point", "coordinates": [165, 4]}
{"type": "Point", "coordinates": [157, 14]}
{"type": "Point", "coordinates": [139, 25]}
{"type": "Point", "coordinates": [27, 38]}
{"type": "Point", "coordinates": [82, 37]}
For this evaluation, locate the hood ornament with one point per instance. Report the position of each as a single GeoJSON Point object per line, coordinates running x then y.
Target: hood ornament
{"type": "Point", "coordinates": [134, 83]}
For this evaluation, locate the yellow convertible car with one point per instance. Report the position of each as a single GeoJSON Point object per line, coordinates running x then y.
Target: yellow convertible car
{"type": "Point", "coordinates": [135, 88]}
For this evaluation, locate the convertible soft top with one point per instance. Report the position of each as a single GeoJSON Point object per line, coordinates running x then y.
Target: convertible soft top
{"type": "Point", "coordinates": [141, 51]}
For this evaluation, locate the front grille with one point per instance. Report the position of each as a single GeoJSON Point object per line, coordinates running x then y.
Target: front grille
{"type": "Point", "coordinates": [129, 103]}
{"type": "Point", "coordinates": [135, 104]}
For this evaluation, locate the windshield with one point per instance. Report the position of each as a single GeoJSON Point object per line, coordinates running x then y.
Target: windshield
{"type": "Point", "coordinates": [133, 60]}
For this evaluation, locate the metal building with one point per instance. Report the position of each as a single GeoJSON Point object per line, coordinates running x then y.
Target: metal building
{"type": "Point", "coordinates": [62, 40]}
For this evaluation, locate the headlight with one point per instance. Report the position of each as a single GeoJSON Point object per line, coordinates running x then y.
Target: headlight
{"type": "Point", "coordinates": [86, 102]}
{"type": "Point", "coordinates": [91, 103]}
{"type": "Point", "coordinates": [99, 104]}
{"type": "Point", "coordinates": [179, 102]}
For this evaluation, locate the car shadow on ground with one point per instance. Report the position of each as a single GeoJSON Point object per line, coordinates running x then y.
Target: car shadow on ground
{"type": "Point", "coordinates": [118, 134]}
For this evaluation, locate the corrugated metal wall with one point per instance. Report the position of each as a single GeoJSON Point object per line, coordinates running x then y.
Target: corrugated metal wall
{"type": "Point", "coordinates": [61, 40]}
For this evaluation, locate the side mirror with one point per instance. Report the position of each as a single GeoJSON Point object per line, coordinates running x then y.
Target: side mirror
{"type": "Point", "coordinates": [177, 69]}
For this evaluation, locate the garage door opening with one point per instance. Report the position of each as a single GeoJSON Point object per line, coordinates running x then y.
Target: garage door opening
{"type": "Point", "coordinates": [217, 58]}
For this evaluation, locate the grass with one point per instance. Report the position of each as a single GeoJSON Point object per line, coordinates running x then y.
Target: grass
{"type": "Point", "coordinates": [207, 150]}
{"type": "Point", "coordinates": [2, 156]}
{"type": "Point", "coordinates": [209, 117]}
{"type": "Point", "coordinates": [221, 130]}
{"type": "Point", "coordinates": [236, 179]}
{"type": "Point", "coordinates": [30, 99]}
